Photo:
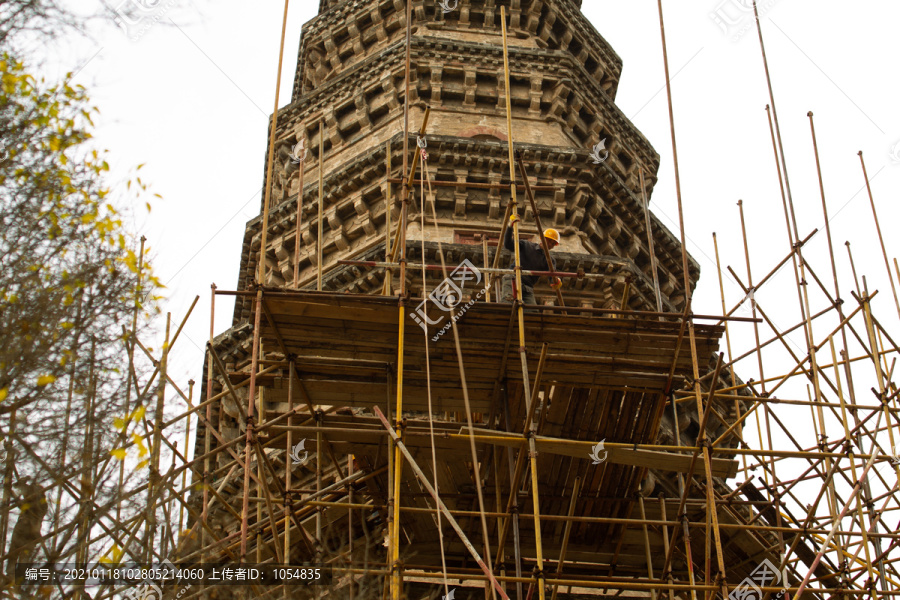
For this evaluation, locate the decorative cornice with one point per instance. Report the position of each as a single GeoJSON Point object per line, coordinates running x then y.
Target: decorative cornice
{"type": "Point", "coordinates": [352, 21]}
{"type": "Point", "coordinates": [596, 204]}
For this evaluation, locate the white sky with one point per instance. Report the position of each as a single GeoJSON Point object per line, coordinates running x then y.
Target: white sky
{"type": "Point", "coordinates": [191, 99]}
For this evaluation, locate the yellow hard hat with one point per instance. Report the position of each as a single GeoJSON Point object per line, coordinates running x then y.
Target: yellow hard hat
{"type": "Point", "coordinates": [552, 234]}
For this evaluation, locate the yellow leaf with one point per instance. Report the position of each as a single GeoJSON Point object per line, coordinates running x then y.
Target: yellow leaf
{"type": "Point", "coordinates": [3, 394]}
{"type": "Point", "coordinates": [45, 380]}
{"type": "Point", "coordinates": [143, 464]}
{"type": "Point", "coordinates": [142, 449]}
{"type": "Point", "coordinates": [119, 453]}
{"type": "Point", "coordinates": [139, 413]}
{"type": "Point", "coordinates": [119, 424]}
{"type": "Point", "coordinates": [113, 555]}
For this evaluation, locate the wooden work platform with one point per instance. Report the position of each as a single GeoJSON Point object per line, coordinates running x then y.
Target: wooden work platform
{"type": "Point", "coordinates": [346, 351]}
{"type": "Point", "coordinates": [603, 380]}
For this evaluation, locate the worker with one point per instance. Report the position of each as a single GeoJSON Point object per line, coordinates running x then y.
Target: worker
{"type": "Point", "coordinates": [533, 259]}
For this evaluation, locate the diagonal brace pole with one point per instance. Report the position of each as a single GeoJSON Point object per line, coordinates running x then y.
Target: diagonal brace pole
{"type": "Point", "coordinates": [443, 508]}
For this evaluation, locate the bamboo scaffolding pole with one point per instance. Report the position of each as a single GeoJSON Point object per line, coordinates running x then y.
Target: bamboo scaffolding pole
{"type": "Point", "coordinates": [87, 488]}
{"type": "Point", "coordinates": [650, 244]}
{"type": "Point", "coordinates": [837, 296]}
{"type": "Point", "coordinates": [130, 346]}
{"type": "Point", "coordinates": [70, 394]}
{"type": "Point", "coordinates": [187, 437]}
{"type": "Point", "coordinates": [662, 523]}
{"type": "Point", "coordinates": [301, 168]}
{"type": "Point", "coordinates": [576, 489]}
{"type": "Point", "coordinates": [831, 534]}
{"type": "Point", "coordinates": [514, 210]}
{"type": "Point", "coordinates": [462, 371]}
{"type": "Point", "coordinates": [537, 216]}
{"type": "Point", "coordinates": [156, 447]}
{"type": "Point", "coordinates": [320, 243]}
{"type": "Point", "coordinates": [721, 577]}
{"type": "Point", "coordinates": [887, 265]}
{"type": "Point", "coordinates": [434, 495]}
{"type": "Point", "coordinates": [261, 280]}
{"type": "Point", "coordinates": [882, 392]}
{"type": "Point", "coordinates": [753, 308]}
{"type": "Point", "coordinates": [388, 206]}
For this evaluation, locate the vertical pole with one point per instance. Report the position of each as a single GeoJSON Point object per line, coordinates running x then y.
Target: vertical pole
{"type": "Point", "coordinates": [837, 524]}
{"type": "Point", "coordinates": [207, 438]}
{"type": "Point", "coordinates": [882, 396]}
{"type": "Point", "coordinates": [689, 556]}
{"type": "Point", "coordinates": [880, 237]}
{"type": "Point", "coordinates": [394, 500]}
{"type": "Point", "coordinates": [388, 201]}
{"type": "Point", "coordinates": [737, 406]}
{"type": "Point", "coordinates": [319, 541]}
{"type": "Point", "coordinates": [319, 242]}
{"type": "Point", "coordinates": [515, 208]}
{"type": "Point", "coordinates": [396, 577]}
{"type": "Point", "coordinates": [288, 470]}
{"type": "Point", "coordinates": [648, 226]}
{"type": "Point", "coordinates": [576, 489]}
{"type": "Point", "coordinates": [840, 311]}
{"type": "Point", "coordinates": [485, 249]}
{"type": "Point", "coordinates": [710, 506]}
{"type": "Point", "coordinates": [187, 437]}
{"type": "Point", "coordinates": [536, 505]}
{"type": "Point", "coordinates": [762, 375]}
{"type": "Point", "coordinates": [665, 531]}
{"type": "Point", "coordinates": [138, 290]}
{"type": "Point", "coordinates": [168, 511]}
{"type": "Point", "coordinates": [647, 554]}
{"type": "Point", "coordinates": [87, 491]}
{"type": "Point", "coordinates": [158, 420]}
{"type": "Point", "coordinates": [251, 402]}
{"type": "Point", "coordinates": [350, 521]}
{"type": "Point", "coordinates": [261, 280]}
{"type": "Point", "coordinates": [300, 168]}
{"type": "Point", "coordinates": [514, 498]}
{"type": "Point", "coordinates": [851, 454]}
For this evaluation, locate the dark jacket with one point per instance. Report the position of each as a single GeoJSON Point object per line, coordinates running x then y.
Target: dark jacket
{"type": "Point", "coordinates": [532, 256]}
